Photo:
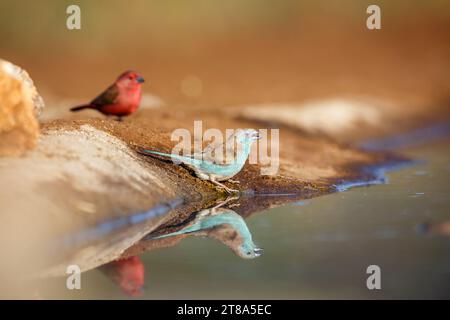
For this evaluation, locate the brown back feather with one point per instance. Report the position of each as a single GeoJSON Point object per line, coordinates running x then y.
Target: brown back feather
{"type": "Point", "coordinates": [109, 96]}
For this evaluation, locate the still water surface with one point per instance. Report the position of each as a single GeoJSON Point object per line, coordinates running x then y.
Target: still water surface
{"type": "Point", "coordinates": [317, 248]}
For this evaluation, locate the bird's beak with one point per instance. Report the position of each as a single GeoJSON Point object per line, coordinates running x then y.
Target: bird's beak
{"type": "Point", "coordinates": [140, 79]}
{"type": "Point", "coordinates": [258, 252]}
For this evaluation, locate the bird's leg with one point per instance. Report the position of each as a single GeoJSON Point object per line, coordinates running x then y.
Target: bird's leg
{"type": "Point", "coordinates": [224, 202]}
{"type": "Point", "coordinates": [233, 181]}
{"type": "Point", "coordinates": [229, 190]}
{"type": "Point", "coordinates": [119, 118]}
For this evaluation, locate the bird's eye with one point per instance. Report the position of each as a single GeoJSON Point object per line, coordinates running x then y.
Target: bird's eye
{"type": "Point", "coordinates": [130, 77]}
{"type": "Point", "coordinates": [249, 253]}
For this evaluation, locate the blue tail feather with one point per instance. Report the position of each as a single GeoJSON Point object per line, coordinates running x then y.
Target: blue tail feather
{"type": "Point", "coordinates": [172, 156]}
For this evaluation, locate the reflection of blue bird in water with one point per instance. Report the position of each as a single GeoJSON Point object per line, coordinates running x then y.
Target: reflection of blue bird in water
{"type": "Point", "coordinates": [224, 225]}
{"type": "Point", "coordinates": [205, 166]}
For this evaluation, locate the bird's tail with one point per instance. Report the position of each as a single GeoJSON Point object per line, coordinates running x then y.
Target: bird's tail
{"type": "Point", "coordinates": [150, 237]}
{"type": "Point", "coordinates": [78, 108]}
{"type": "Point", "coordinates": [183, 159]}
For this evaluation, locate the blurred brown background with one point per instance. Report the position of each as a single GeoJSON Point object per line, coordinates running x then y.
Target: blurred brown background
{"type": "Point", "coordinates": [224, 53]}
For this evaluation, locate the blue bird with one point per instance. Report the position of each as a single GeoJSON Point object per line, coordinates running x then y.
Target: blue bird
{"type": "Point", "coordinates": [224, 225]}
{"type": "Point", "coordinates": [207, 168]}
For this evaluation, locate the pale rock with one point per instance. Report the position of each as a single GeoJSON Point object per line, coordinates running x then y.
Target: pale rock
{"type": "Point", "coordinates": [20, 105]}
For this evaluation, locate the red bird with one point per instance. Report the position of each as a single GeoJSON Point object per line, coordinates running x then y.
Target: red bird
{"type": "Point", "coordinates": [121, 99]}
{"type": "Point", "coordinates": [128, 274]}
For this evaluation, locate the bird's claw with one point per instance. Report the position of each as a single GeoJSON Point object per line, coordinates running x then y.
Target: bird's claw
{"type": "Point", "coordinates": [224, 187]}
{"type": "Point", "coordinates": [233, 181]}
{"type": "Point", "coordinates": [228, 190]}
{"type": "Point", "coordinates": [231, 191]}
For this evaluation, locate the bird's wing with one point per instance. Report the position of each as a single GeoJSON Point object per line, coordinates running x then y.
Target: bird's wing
{"type": "Point", "coordinates": [213, 146]}
{"type": "Point", "coordinates": [224, 148]}
{"type": "Point", "coordinates": [108, 96]}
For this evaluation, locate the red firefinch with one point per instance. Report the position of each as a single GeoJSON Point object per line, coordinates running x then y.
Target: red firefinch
{"type": "Point", "coordinates": [122, 98]}
{"type": "Point", "coordinates": [128, 274]}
